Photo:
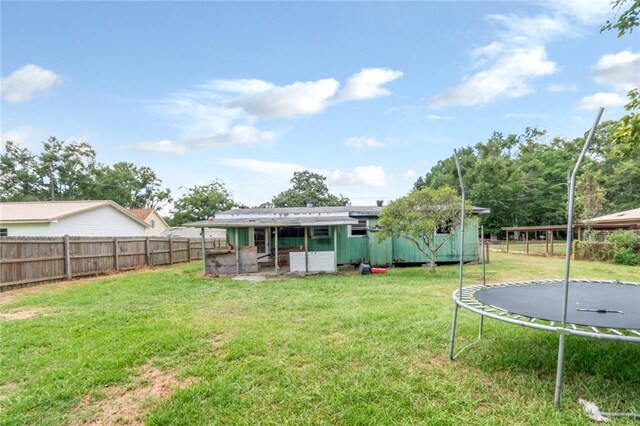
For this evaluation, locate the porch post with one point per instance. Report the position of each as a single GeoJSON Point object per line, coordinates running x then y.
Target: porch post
{"type": "Point", "coordinates": [276, 261]}
{"type": "Point", "coordinates": [507, 241]}
{"type": "Point", "coordinates": [546, 243]}
{"type": "Point", "coordinates": [526, 241]}
{"type": "Point", "coordinates": [335, 247]}
{"type": "Point", "coordinates": [204, 257]}
{"type": "Point", "coordinates": [306, 251]}
{"type": "Point", "coordinates": [552, 232]}
{"type": "Point", "coordinates": [237, 253]}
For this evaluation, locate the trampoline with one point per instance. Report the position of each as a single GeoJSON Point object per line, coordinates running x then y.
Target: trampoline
{"type": "Point", "coordinates": [599, 309]}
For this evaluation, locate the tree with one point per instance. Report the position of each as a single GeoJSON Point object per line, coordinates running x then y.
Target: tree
{"type": "Point", "coordinates": [627, 20]}
{"type": "Point", "coordinates": [426, 217]}
{"type": "Point", "coordinates": [590, 198]}
{"type": "Point", "coordinates": [130, 186]}
{"type": "Point", "coordinates": [307, 187]}
{"type": "Point", "coordinates": [18, 178]}
{"type": "Point", "coordinates": [69, 167]}
{"type": "Point", "coordinates": [202, 201]}
{"type": "Point", "coordinates": [627, 136]}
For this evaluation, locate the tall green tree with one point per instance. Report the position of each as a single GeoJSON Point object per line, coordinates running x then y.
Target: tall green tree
{"type": "Point", "coordinates": [426, 217]}
{"type": "Point", "coordinates": [201, 202]}
{"type": "Point", "coordinates": [18, 178]}
{"type": "Point", "coordinates": [69, 166]}
{"type": "Point", "coordinates": [627, 136]}
{"type": "Point", "coordinates": [307, 187]}
{"type": "Point", "coordinates": [130, 186]}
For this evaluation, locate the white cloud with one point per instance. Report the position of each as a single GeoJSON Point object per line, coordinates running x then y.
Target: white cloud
{"type": "Point", "coordinates": [439, 117]}
{"type": "Point", "coordinates": [367, 84]}
{"type": "Point", "coordinates": [363, 175]}
{"type": "Point", "coordinates": [531, 31]}
{"type": "Point", "coordinates": [19, 136]}
{"type": "Point", "coordinates": [618, 70]}
{"type": "Point", "coordinates": [601, 99]}
{"type": "Point", "coordinates": [224, 112]}
{"type": "Point", "coordinates": [237, 135]}
{"type": "Point", "coordinates": [586, 11]}
{"type": "Point", "coordinates": [361, 142]}
{"type": "Point", "coordinates": [410, 174]}
{"type": "Point", "coordinates": [27, 82]}
{"type": "Point", "coordinates": [270, 168]}
{"type": "Point", "coordinates": [560, 87]}
{"type": "Point", "coordinates": [296, 99]}
{"type": "Point", "coordinates": [241, 86]}
{"type": "Point", "coordinates": [507, 78]}
{"type": "Point", "coordinates": [165, 146]}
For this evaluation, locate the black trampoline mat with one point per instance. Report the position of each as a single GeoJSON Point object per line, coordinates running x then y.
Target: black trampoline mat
{"type": "Point", "coordinates": [544, 301]}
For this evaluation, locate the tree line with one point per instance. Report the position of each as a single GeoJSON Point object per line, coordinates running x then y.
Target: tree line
{"type": "Point", "coordinates": [523, 179]}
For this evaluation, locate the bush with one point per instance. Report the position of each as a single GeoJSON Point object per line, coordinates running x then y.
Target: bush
{"type": "Point", "coordinates": [626, 256]}
{"type": "Point", "coordinates": [623, 239]}
{"type": "Point", "coordinates": [622, 248]}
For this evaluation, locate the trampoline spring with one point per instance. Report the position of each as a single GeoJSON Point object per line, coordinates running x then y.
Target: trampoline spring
{"type": "Point", "coordinates": [614, 331]}
{"type": "Point", "coordinates": [635, 332]}
{"type": "Point", "coordinates": [595, 329]}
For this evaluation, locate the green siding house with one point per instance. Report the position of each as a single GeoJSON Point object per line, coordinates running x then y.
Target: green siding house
{"type": "Point", "coordinates": [349, 232]}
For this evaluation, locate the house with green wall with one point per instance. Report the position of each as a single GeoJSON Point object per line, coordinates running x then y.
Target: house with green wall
{"type": "Point", "coordinates": [309, 239]}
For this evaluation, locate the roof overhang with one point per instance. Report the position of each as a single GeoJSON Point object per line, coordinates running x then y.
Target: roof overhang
{"type": "Point", "coordinates": [266, 222]}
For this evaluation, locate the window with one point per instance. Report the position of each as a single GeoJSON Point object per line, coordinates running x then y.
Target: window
{"type": "Point", "coordinates": [4, 232]}
{"type": "Point", "coordinates": [291, 232]}
{"type": "Point", "coordinates": [359, 230]}
{"type": "Point", "coordinates": [320, 232]}
{"type": "Point", "coordinates": [153, 223]}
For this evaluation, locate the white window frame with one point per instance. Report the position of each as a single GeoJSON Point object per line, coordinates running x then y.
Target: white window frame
{"type": "Point", "coordinates": [313, 232]}
{"type": "Point", "coordinates": [366, 227]}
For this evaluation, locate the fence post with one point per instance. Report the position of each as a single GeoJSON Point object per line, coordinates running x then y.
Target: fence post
{"type": "Point", "coordinates": [147, 252]}
{"type": "Point", "coordinates": [67, 258]}
{"type": "Point", "coordinates": [115, 255]}
{"type": "Point", "coordinates": [170, 251]}
{"type": "Point", "coordinates": [189, 249]}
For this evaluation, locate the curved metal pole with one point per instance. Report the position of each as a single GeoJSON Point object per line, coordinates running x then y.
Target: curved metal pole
{"type": "Point", "coordinates": [460, 268]}
{"type": "Point", "coordinates": [567, 268]}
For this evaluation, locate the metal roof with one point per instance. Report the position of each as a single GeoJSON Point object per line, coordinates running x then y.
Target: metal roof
{"type": "Point", "coordinates": [273, 221]}
{"type": "Point", "coordinates": [350, 210]}
{"type": "Point", "coordinates": [49, 211]}
{"type": "Point", "coordinates": [627, 215]}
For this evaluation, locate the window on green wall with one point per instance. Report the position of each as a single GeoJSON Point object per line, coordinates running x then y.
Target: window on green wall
{"type": "Point", "coordinates": [291, 232]}
{"type": "Point", "coordinates": [359, 230]}
{"type": "Point", "coordinates": [320, 232]}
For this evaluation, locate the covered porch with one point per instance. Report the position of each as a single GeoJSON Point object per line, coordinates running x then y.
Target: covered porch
{"type": "Point", "coordinates": [277, 245]}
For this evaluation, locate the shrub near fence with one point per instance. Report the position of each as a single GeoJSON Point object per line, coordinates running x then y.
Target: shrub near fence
{"type": "Point", "coordinates": [29, 260]}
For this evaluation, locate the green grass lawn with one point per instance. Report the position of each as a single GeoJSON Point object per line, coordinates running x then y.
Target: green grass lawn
{"type": "Point", "coordinates": [344, 349]}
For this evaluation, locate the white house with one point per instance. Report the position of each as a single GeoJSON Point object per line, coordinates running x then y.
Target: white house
{"type": "Point", "coordinates": [75, 218]}
{"type": "Point", "coordinates": [152, 218]}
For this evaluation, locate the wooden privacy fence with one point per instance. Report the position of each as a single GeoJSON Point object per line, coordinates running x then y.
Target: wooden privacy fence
{"type": "Point", "coordinates": [28, 260]}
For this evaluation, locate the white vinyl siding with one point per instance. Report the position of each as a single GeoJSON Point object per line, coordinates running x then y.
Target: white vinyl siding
{"type": "Point", "coordinates": [104, 221]}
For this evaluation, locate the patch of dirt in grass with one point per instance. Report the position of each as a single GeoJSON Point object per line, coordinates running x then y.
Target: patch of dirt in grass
{"type": "Point", "coordinates": [337, 338]}
{"type": "Point", "coordinates": [7, 389]}
{"type": "Point", "coordinates": [428, 363]}
{"type": "Point", "coordinates": [128, 404]}
{"type": "Point", "coordinates": [20, 314]}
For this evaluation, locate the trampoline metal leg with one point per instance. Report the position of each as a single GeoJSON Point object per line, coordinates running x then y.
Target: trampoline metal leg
{"type": "Point", "coordinates": [559, 370]}
{"type": "Point", "coordinates": [453, 331]}
{"type": "Point", "coordinates": [481, 327]}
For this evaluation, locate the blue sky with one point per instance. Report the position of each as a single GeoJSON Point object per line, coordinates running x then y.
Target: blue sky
{"type": "Point", "coordinates": [369, 94]}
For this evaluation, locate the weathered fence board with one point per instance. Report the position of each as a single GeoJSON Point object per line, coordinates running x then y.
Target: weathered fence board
{"type": "Point", "coordinates": [25, 260]}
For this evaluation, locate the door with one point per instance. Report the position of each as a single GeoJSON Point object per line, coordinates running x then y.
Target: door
{"type": "Point", "coordinates": [261, 241]}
